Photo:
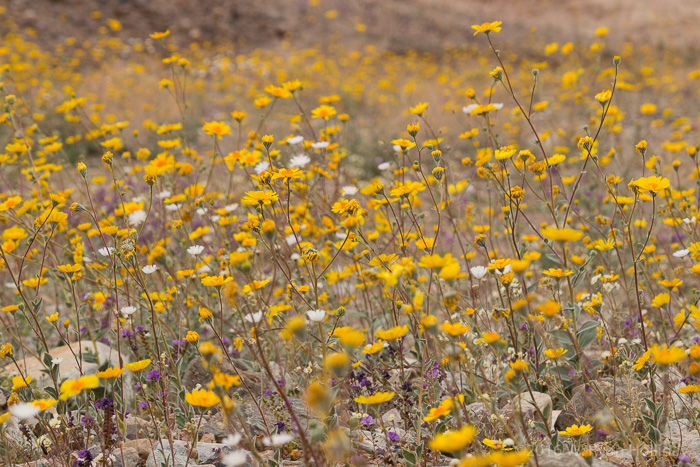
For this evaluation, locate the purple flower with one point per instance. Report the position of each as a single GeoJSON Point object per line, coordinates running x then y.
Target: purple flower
{"type": "Point", "coordinates": [683, 458]}
{"type": "Point", "coordinates": [367, 421]}
{"type": "Point", "coordinates": [143, 404]}
{"type": "Point", "coordinates": [104, 403]}
{"type": "Point", "coordinates": [127, 333]}
{"type": "Point", "coordinates": [393, 436]}
{"type": "Point", "coordinates": [281, 427]}
{"type": "Point", "coordinates": [153, 375]}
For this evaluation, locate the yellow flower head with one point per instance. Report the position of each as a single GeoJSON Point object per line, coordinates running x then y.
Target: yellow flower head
{"type": "Point", "coordinates": [375, 399]}
{"type": "Point", "coordinates": [487, 28]}
{"type": "Point", "coordinates": [453, 441]}
{"type": "Point", "coordinates": [137, 366]}
{"type": "Point", "coordinates": [202, 398]}
{"type": "Point", "coordinates": [73, 387]}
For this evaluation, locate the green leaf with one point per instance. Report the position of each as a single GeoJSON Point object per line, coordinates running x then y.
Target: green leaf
{"type": "Point", "coordinates": [587, 334]}
{"type": "Point", "coordinates": [410, 457]}
{"type": "Point", "coordinates": [654, 435]}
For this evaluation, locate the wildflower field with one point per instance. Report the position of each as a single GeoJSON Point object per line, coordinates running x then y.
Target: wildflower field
{"type": "Point", "coordinates": [345, 256]}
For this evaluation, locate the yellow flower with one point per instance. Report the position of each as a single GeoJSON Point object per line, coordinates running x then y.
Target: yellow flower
{"type": "Point", "coordinates": [661, 300]}
{"type": "Point", "coordinates": [375, 399]}
{"type": "Point", "coordinates": [558, 273]}
{"type": "Point", "coordinates": [604, 96]}
{"type": "Point", "coordinates": [373, 348]}
{"type": "Point", "coordinates": [665, 355]}
{"type": "Point", "coordinates": [202, 398]}
{"type": "Point", "coordinates": [73, 387]}
{"type": "Point", "coordinates": [509, 459]}
{"type": "Point", "coordinates": [487, 28]}
{"type": "Point", "coordinates": [224, 380]}
{"type": "Point", "coordinates": [204, 314]}
{"type": "Point", "coordinates": [505, 153]}
{"type": "Point", "coordinates": [6, 350]}
{"type": "Point", "coordinates": [575, 430]}
{"type": "Point", "coordinates": [689, 389]}
{"type": "Point", "coordinates": [323, 111]}
{"type": "Point", "coordinates": [192, 337]}
{"type": "Point", "coordinates": [217, 129]}
{"type": "Point", "coordinates": [137, 366]}
{"type": "Point", "coordinates": [652, 184]}
{"type": "Point", "coordinates": [110, 373]}
{"type": "Point", "coordinates": [349, 337]}
{"type": "Point", "coordinates": [52, 318]}
{"type": "Point", "coordinates": [44, 404]}
{"type": "Point", "coordinates": [454, 329]}
{"type": "Point", "coordinates": [393, 333]}
{"type": "Point", "coordinates": [254, 198]}
{"type": "Point", "coordinates": [215, 281]}
{"type": "Point", "coordinates": [561, 235]}
{"type": "Point", "coordinates": [549, 308]}
{"type": "Point", "coordinates": [159, 35]}
{"type": "Point", "coordinates": [18, 382]}
{"type": "Point", "coordinates": [69, 268]}
{"type": "Point", "coordinates": [453, 441]}
{"type": "Point", "coordinates": [555, 353]}
{"type": "Point", "coordinates": [207, 348]}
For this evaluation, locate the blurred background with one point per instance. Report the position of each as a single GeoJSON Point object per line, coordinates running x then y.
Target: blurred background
{"type": "Point", "coordinates": [395, 25]}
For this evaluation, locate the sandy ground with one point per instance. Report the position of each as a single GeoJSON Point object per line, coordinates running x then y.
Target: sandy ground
{"type": "Point", "coordinates": [425, 25]}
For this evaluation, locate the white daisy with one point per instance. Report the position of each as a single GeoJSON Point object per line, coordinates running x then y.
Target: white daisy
{"type": "Point", "coordinates": [24, 411]}
{"type": "Point", "coordinates": [194, 250]}
{"type": "Point", "coordinates": [150, 269]}
{"type": "Point", "coordinates": [384, 166]}
{"type": "Point", "coordinates": [478, 272]}
{"type": "Point", "coordinates": [320, 145]}
{"type": "Point", "coordinates": [254, 317]}
{"type": "Point", "coordinates": [316, 315]}
{"type": "Point", "coordinates": [295, 139]}
{"type": "Point", "coordinates": [349, 190]}
{"type": "Point", "coordinates": [299, 161]}
{"type": "Point", "coordinates": [278, 440]}
{"type": "Point", "coordinates": [128, 310]}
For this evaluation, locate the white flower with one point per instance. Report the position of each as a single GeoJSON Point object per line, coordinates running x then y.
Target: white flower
{"type": "Point", "coordinates": [316, 315]}
{"type": "Point", "coordinates": [238, 457]}
{"type": "Point", "coordinates": [137, 217]}
{"type": "Point", "coordinates": [468, 109]}
{"type": "Point", "coordinates": [231, 207]}
{"type": "Point", "coordinates": [232, 440]}
{"type": "Point", "coordinates": [194, 250]}
{"type": "Point", "coordinates": [690, 221]}
{"type": "Point", "coordinates": [150, 269]}
{"type": "Point", "coordinates": [498, 105]}
{"type": "Point", "coordinates": [172, 207]}
{"type": "Point", "coordinates": [128, 310]}
{"type": "Point", "coordinates": [201, 211]}
{"type": "Point", "coordinates": [164, 194]}
{"type": "Point", "coordinates": [43, 441]}
{"type": "Point", "coordinates": [320, 145]}
{"type": "Point", "coordinates": [278, 439]}
{"type": "Point", "coordinates": [384, 165]}
{"type": "Point", "coordinates": [24, 411]}
{"type": "Point", "coordinates": [254, 317]}
{"type": "Point", "coordinates": [56, 361]}
{"type": "Point", "coordinates": [215, 218]}
{"type": "Point", "coordinates": [681, 253]}
{"type": "Point", "coordinates": [478, 272]}
{"type": "Point", "coordinates": [299, 161]}
{"type": "Point", "coordinates": [55, 421]}
{"type": "Point", "coordinates": [204, 269]}
{"type": "Point", "coordinates": [349, 190]}
{"type": "Point", "coordinates": [261, 167]}
{"type": "Point", "coordinates": [107, 251]}
{"type": "Point", "coordinates": [295, 257]}
{"type": "Point", "coordinates": [295, 139]}
{"type": "Point", "coordinates": [291, 239]}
